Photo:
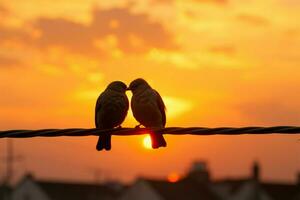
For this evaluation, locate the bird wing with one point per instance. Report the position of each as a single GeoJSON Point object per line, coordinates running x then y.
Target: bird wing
{"type": "Point", "coordinates": [97, 109]}
{"type": "Point", "coordinates": [161, 106]}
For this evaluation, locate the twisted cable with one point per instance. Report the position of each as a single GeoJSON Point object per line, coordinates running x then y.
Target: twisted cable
{"type": "Point", "coordinates": [140, 131]}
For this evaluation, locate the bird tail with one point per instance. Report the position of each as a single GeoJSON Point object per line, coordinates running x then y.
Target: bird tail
{"type": "Point", "coordinates": [104, 142]}
{"type": "Point", "coordinates": [157, 140]}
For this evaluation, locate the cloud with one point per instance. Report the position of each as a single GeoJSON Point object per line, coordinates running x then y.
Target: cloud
{"type": "Point", "coordinates": [64, 33]}
{"type": "Point", "coordinates": [125, 26]}
{"type": "Point", "coordinates": [220, 57]}
{"type": "Point", "coordinates": [253, 19]}
{"type": "Point", "coordinates": [14, 34]}
{"type": "Point", "coordinates": [130, 33]}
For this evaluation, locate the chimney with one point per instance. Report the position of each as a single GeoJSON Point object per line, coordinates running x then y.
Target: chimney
{"type": "Point", "coordinates": [256, 171]}
{"type": "Point", "coordinates": [199, 172]}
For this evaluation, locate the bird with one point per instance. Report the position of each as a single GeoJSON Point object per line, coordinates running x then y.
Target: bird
{"type": "Point", "coordinates": [110, 112]}
{"type": "Point", "coordinates": [148, 109]}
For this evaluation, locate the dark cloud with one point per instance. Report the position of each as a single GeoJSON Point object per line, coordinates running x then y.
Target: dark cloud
{"type": "Point", "coordinates": [253, 19]}
{"type": "Point", "coordinates": [153, 34]}
{"type": "Point", "coordinates": [135, 33]}
{"type": "Point", "coordinates": [65, 33]}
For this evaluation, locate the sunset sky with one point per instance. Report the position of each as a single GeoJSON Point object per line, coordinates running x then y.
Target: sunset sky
{"type": "Point", "coordinates": [215, 63]}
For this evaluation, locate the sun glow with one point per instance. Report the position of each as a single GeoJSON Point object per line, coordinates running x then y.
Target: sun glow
{"type": "Point", "coordinates": [173, 177]}
{"type": "Point", "coordinates": [147, 142]}
{"type": "Point", "coordinates": [176, 106]}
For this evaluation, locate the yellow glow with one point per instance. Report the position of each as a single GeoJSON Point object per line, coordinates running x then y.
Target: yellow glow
{"type": "Point", "coordinates": [178, 59]}
{"type": "Point", "coordinates": [173, 177]}
{"type": "Point", "coordinates": [95, 77]}
{"type": "Point", "coordinates": [176, 107]}
{"type": "Point", "coordinates": [147, 142]}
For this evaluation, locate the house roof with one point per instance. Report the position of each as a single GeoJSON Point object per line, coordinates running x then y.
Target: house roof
{"type": "Point", "coordinates": [280, 191]}
{"type": "Point", "coordinates": [3, 190]}
{"type": "Point", "coordinates": [61, 190]}
{"type": "Point", "coordinates": [184, 189]}
{"type": "Point", "coordinates": [77, 191]}
{"type": "Point", "coordinates": [232, 185]}
{"type": "Point", "coordinates": [277, 191]}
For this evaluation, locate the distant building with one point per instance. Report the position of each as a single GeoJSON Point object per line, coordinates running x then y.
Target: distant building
{"type": "Point", "coordinates": [31, 189]}
{"type": "Point", "coordinates": [185, 189]}
{"type": "Point", "coordinates": [253, 189]}
{"type": "Point", "coordinates": [197, 185]}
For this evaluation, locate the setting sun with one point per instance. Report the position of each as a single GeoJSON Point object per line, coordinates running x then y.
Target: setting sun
{"type": "Point", "coordinates": [147, 142]}
{"type": "Point", "coordinates": [173, 177]}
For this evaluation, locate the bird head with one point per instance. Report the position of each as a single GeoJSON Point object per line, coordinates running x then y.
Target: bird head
{"type": "Point", "coordinates": [118, 86]}
{"type": "Point", "coordinates": [138, 84]}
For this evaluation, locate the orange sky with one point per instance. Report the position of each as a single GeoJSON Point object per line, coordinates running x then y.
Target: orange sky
{"type": "Point", "coordinates": [215, 62]}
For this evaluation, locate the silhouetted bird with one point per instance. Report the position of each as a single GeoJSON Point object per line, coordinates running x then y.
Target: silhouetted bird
{"type": "Point", "coordinates": [148, 109]}
{"type": "Point", "coordinates": [111, 109]}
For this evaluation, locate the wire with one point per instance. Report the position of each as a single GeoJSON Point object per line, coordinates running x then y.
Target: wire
{"type": "Point", "coordinates": [140, 131]}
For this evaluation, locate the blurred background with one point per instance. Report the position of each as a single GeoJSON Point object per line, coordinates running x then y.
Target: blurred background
{"type": "Point", "coordinates": [215, 63]}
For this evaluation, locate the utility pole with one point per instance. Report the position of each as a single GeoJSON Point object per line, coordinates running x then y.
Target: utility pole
{"type": "Point", "coordinates": [9, 159]}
